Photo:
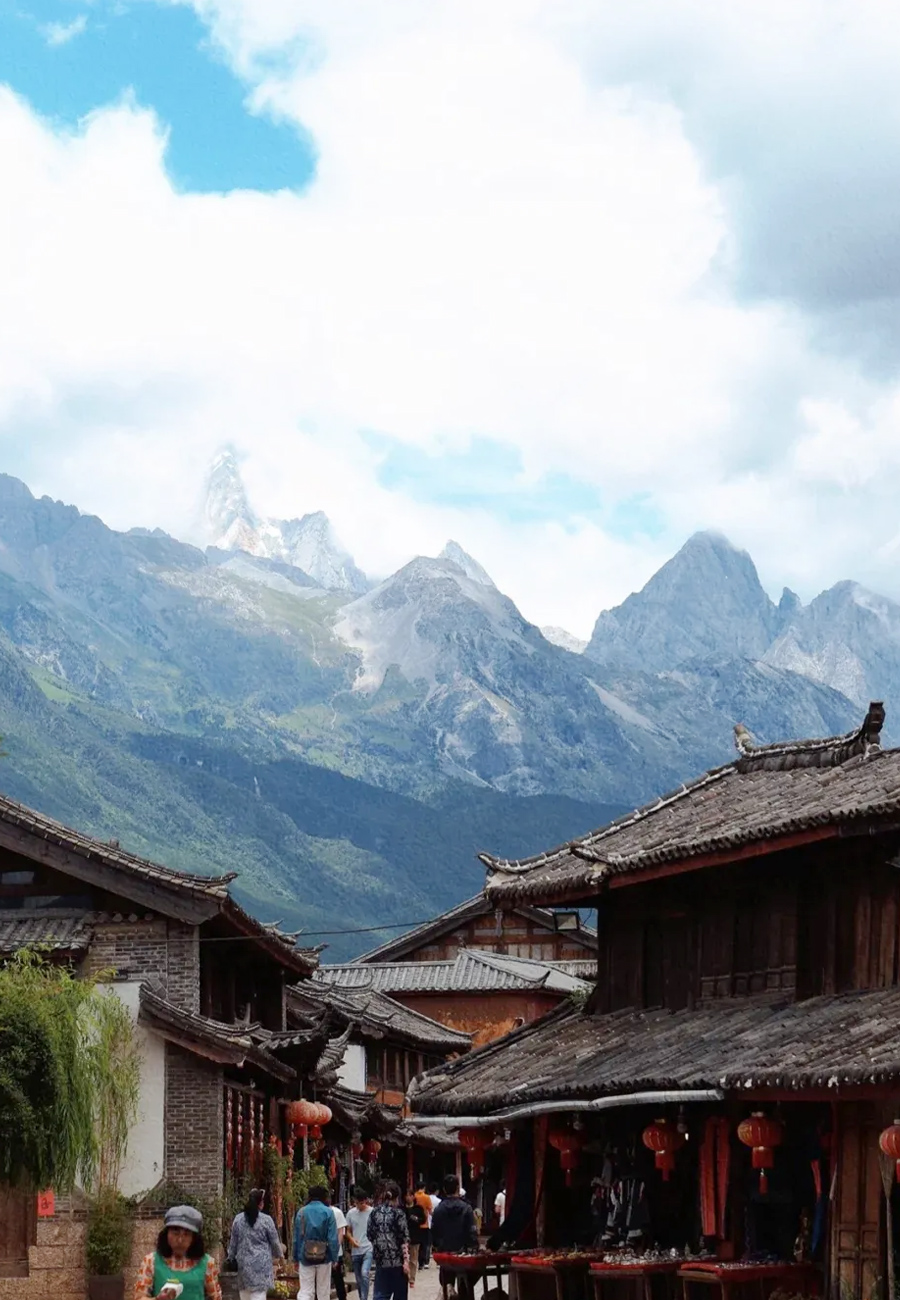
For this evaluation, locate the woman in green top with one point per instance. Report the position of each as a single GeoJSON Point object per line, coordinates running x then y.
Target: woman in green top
{"type": "Point", "coordinates": [180, 1268]}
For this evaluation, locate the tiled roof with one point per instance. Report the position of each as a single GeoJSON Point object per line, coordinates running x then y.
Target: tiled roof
{"type": "Point", "coordinates": [227, 1044]}
{"type": "Point", "coordinates": [57, 930]}
{"type": "Point", "coordinates": [825, 1042]}
{"type": "Point", "coordinates": [818, 787]}
{"type": "Point", "coordinates": [354, 1110]}
{"type": "Point", "coordinates": [470, 910]}
{"type": "Point", "coordinates": [377, 1016]}
{"type": "Point", "coordinates": [472, 970]}
{"type": "Point", "coordinates": [169, 886]}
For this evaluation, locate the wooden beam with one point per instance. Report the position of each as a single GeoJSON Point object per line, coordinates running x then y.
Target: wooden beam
{"type": "Point", "coordinates": [722, 857]}
{"type": "Point", "coordinates": [192, 909]}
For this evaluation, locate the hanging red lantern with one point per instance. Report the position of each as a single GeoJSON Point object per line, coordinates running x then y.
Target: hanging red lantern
{"type": "Point", "coordinates": [763, 1135]}
{"type": "Point", "coordinates": [321, 1118]}
{"type": "Point", "coordinates": [663, 1139]}
{"type": "Point", "coordinates": [568, 1142]}
{"type": "Point", "coordinates": [889, 1142]}
{"type": "Point", "coordinates": [371, 1150]}
{"type": "Point", "coordinates": [301, 1115]}
{"type": "Point", "coordinates": [476, 1141]}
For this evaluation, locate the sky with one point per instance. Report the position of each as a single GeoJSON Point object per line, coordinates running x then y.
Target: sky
{"type": "Point", "coordinates": [565, 280]}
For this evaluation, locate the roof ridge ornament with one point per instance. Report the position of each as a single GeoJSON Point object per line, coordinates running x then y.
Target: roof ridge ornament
{"type": "Point", "coordinates": [832, 751]}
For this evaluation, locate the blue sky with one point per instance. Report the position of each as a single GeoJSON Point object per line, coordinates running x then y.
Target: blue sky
{"type": "Point", "coordinates": [69, 58]}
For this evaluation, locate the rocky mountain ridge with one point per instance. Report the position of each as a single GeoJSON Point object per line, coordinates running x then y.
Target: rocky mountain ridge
{"type": "Point", "coordinates": [352, 751]}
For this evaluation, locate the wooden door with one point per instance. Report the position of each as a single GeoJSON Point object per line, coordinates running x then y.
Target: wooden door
{"type": "Point", "coordinates": [857, 1266]}
{"type": "Point", "coordinates": [17, 1225]}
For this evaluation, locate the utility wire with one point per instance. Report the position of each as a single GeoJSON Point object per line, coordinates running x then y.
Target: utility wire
{"type": "Point", "coordinates": [312, 934]}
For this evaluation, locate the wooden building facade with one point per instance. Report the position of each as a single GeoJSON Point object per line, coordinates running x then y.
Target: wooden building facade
{"type": "Point", "coordinates": [748, 963]}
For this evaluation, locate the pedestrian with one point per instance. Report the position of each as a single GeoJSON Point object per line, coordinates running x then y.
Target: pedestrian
{"type": "Point", "coordinates": [180, 1266]}
{"type": "Point", "coordinates": [340, 1287]}
{"type": "Point", "coordinates": [453, 1230]}
{"type": "Point", "coordinates": [453, 1226]}
{"type": "Point", "coordinates": [389, 1235]}
{"type": "Point", "coordinates": [417, 1222]}
{"type": "Point", "coordinates": [500, 1204]}
{"type": "Point", "coordinates": [360, 1246]}
{"type": "Point", "coordinates": [423, 1199]}
{"type": "Point", "coordinates": [315, 1245]}
{"type": "Point", "coordinates": [434, 1197]}
{"type": "Point", "coordinates": [254, 1244]}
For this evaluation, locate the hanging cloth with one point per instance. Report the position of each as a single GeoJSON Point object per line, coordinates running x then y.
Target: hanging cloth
{"type": "Point", "coordinates": [715, 1164]}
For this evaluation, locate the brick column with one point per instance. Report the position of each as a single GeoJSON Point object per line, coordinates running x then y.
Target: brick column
{"type": "Point", "coordinates": [194, 1122]}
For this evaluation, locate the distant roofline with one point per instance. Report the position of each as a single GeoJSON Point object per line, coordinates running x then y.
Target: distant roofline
{"type": "Point", "coordinates": [477, 905]}
{"type": "Point", "coordinates": [180, 895]}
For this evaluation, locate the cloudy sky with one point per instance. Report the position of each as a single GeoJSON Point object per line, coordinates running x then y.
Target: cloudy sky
{"type": "Point", "coordinates": [565, 280]}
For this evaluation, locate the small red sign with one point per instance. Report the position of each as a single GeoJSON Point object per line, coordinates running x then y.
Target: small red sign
{"type": "Point", "coordinates": [46, 1205]}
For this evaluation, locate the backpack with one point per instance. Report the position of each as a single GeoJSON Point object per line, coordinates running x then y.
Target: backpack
{"type": "Point", "coordinates": [315, 1250]}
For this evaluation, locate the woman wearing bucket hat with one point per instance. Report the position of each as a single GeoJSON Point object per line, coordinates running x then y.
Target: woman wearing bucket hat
{"type": "Point", "coordinates": [179, 1268]}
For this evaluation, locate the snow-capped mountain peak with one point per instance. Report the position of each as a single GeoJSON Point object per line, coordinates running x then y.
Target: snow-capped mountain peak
{"type": "Point", "coordinates": [308, 543]}
{"type": "Point", "coordinates": [565, 640]}
{"type": "Point", "coordinates": [230, 522]}
{"type": "Point", "coordinates": [471, 568]}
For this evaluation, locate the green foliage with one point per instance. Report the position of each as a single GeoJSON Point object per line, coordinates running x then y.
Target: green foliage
{"type": "Point", "coordinates": [69, 1078]}
{"type": "Point", "coordinates": [46, 1081]}
{"type": "Point", "coordinates": [110, 1232]}
{"type": "Point", "coordinates": [114, 1062]}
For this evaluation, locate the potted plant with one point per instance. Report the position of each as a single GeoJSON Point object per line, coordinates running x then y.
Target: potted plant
{"type": "Point", "coordinates": [110, 1231]}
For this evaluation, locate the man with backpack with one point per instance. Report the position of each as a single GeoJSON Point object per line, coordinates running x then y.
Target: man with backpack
{"type": "Point", "coordinates": [315, 1245]}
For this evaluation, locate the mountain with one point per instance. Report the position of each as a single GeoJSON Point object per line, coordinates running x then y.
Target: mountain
{"type": "Point", "coordinates": [706, 601]}
{"type": "Point", "coordinates": [351, 752]}
{"type": "Point", "coordinates": [308, 543]}
{"type": "Point", "coordinates": [566, 640]}
{"type": "Point", "coordinates": [848, 638]}
{"type": "Point", "coordinates": [471, 568]}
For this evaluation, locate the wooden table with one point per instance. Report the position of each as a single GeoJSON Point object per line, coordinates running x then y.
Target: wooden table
{"type": "Point", "coordinates": [486, 1266]}
{"type": "Point", "coordinates": [757, 1280]}
{"type": "Point", "coordinates": [639, 1280]}
{"type": "Point", "coordinates": [542, 1278]}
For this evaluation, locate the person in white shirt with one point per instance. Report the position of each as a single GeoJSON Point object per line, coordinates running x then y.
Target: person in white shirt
{"type": "Point", "coordinates": [337, 1270]}
{"type": "Point", "coordinates": [360, 1246]}
{"type": "Point", "coordinates": [500, 1203]}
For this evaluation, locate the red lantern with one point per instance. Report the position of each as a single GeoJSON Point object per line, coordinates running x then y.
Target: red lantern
{"type": "Point", "coordinates": [322, 1117]}
{"type": "Point", "coordinates": [371, 1150]}
{"type": "Point", "coordinates": [889, 1142]}
{"type": "Point", "coordinates": [663, 1139]}
{"type": "Point", "coordinates": [476, 1141]}
{"type": "Point", "coordinates": [763, 1135]}
{"type": "Point", "coordinates": [568, 1142]}
{"type": "Point", "coordinates": [302, 1114]}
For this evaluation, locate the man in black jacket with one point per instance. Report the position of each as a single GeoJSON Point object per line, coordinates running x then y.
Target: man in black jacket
{"type": "Point", "coordinates": [453, 1227]}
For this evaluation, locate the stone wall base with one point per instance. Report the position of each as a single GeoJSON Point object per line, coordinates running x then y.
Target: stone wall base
{"type": "Point", "coordinates": [56, 1264]}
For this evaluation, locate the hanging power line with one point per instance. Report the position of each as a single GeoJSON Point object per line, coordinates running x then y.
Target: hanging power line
{"type": "Point", "coordinates": [314, 934]}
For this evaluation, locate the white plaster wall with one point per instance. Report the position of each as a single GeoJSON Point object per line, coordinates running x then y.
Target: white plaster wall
{"type": "Point", "coordinates": [352, 1072]}
{"type": "Point", "coordinates": [143, 1166]}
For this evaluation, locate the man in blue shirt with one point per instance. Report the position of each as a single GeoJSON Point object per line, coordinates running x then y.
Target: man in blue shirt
{"type": "Point", "coordinates": [315, 1245]}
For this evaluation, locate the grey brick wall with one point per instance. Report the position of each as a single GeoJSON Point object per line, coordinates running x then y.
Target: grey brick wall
{"type": "Point", "coordinates": [194, 1122]}
{"type": "Point", "coordinates": [133, 949]}
{"type": "Point", "coordinates": [183, 969]}
{"type": "Point", "coordinates": [166, 953]}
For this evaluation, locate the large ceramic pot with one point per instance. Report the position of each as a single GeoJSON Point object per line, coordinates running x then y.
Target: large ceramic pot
{"type": "Point", "coordinates": [106, 1288]}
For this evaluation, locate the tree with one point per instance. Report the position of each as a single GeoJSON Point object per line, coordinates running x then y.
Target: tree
{"type": "Point", "coordinates": [69, 1078]}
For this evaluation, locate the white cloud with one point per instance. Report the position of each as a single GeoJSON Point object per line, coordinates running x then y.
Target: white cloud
{"type": "Point", "coordinates": [56, 34]}
{"type": "Point", "coordinates": [497, 245]}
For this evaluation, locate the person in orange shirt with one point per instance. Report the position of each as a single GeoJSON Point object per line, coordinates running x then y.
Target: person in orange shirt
{"type": "Point", "coordinates": [422, 1198]}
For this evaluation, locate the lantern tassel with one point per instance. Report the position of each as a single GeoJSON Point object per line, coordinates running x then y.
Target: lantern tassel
{"type": "Point", "coordinates": [763, 1183]}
